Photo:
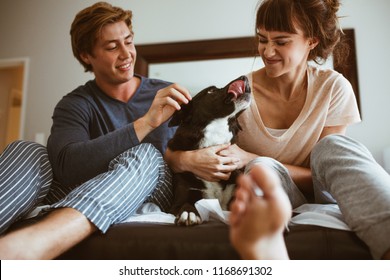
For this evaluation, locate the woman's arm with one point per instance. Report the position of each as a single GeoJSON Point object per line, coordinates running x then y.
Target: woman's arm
{"type": "Point", "coordinates": [217, 162]}
{"type": "Point", "coordinates": [328, 130]}
{"type": "Point", "coordinates": [302, 176]}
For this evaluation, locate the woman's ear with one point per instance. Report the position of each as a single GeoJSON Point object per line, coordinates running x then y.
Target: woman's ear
{"type": "Point", "coordinates": [313, 42]}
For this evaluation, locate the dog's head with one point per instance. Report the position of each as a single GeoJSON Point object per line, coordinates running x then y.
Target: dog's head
{"type": "Point", "coordinates": [215, 103]}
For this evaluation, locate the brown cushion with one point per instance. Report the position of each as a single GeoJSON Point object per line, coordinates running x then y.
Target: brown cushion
{"type": "Point", "coordinates": [210, 241]}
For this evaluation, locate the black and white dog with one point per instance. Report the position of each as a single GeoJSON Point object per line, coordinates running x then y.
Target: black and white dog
{"type": "Point", "coordinates": [209, 119]}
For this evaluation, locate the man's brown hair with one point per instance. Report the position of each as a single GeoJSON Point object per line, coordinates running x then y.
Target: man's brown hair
{"type": "Point", "coordinates": [88, 23]}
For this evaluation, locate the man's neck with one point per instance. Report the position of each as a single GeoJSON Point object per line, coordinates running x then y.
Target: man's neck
{"type": "Point", "coordinates": [122, 92]}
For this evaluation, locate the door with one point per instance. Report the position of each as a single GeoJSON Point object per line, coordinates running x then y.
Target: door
{"type": "Point", "coordinates": [12, 99]}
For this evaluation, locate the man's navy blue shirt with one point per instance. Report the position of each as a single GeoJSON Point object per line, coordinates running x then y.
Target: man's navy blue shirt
{"type": "Point", "coordinates": [90, 129]}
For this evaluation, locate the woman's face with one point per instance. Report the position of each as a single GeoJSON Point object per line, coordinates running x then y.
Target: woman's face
{"type": "Point", "coordinates": [283, 53]}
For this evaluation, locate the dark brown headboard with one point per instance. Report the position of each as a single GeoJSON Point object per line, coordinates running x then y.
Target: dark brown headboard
{"type": "Point", "coordinates": [226, 48]}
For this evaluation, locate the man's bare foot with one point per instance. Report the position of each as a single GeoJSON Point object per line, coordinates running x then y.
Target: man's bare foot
{"type": "Point", "coordinates": [48, 238]}
{"type": "Point", "coordinates": [257, 222]}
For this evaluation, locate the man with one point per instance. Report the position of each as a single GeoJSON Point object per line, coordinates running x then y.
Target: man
{"type": "Point", "coordinates": [106, 143]}
{"type": "Point", "coordinates": [95, 145]}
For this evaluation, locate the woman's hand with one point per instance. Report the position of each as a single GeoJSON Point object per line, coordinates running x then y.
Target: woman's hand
{"type": "Point", "coordinates": [205, 163]}
{"type": "Point", "coordinates": [243, 157]}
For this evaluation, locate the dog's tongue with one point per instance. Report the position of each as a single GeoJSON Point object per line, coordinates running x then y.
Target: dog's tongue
{"type": "Point", "coordinates": [237, 88]}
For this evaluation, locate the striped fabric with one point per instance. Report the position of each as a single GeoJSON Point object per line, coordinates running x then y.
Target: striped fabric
{"type": "Point", "coordinates": [136, 175]}
{"type": "Point", "coordinates": [113, 196]}
{"type": "Point", "coordinates": [25, 178]}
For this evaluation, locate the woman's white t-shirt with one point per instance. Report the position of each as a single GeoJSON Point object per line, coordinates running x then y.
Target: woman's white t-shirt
{"type": "Point", "coordinates": [330, 101]}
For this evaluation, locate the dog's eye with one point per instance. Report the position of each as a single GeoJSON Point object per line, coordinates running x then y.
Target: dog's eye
{"type": "Point", "coordinates": [211, 89]}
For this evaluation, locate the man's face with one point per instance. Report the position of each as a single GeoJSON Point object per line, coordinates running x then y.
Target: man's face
{"type": "Point", "coordinates": [114, 54]}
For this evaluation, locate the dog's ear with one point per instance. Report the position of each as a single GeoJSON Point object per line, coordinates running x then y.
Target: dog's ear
{"type": "Point", "coordinates": [185, 113]}
{"type": "Point", "coordinates": [181, 116]}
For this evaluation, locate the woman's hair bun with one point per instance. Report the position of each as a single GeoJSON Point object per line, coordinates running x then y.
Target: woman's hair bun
{"type": "Point", "coordinates": [333, 5]}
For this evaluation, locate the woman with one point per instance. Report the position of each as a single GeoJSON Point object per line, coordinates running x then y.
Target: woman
{"type": "Point", "coordinates": [300, 114]}
{"type": "Point", "coordinates": [297, 121]}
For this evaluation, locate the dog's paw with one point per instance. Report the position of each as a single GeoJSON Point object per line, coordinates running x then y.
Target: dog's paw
{"type": "Point", "coordinates": [188, 219]}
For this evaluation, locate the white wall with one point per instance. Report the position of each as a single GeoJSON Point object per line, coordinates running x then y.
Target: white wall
{"type": "Point", "coordinates": [39, 29]}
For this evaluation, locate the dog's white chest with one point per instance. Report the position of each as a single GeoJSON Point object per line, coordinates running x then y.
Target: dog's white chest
{"type": "Point", "coordinates": [215, 133]}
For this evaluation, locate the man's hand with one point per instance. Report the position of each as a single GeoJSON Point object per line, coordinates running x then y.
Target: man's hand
{"type": "Point", "coordinates": [166, 102]}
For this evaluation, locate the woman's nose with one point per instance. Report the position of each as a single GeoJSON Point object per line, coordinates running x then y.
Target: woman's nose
{"type": "Point", "coordinates": [269, 49]}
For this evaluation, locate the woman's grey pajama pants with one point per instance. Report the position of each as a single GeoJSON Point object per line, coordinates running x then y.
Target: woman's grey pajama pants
{"type": "Point", "coordinates": [344, 172]}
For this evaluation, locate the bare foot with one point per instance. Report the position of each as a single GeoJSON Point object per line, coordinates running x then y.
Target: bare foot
{"type": "Point", "coordinates": [257, 222]}
{"type": "Point", "coordinates": [48, 238]}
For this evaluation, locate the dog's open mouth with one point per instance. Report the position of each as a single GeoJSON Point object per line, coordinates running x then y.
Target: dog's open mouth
{"type": "Point", "coordinates": [237, 88]}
